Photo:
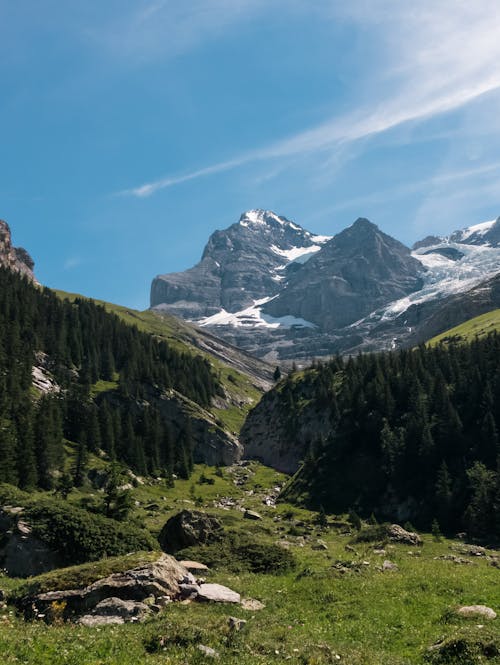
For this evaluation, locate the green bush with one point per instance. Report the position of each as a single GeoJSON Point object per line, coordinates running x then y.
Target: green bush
{"type": "Point", "coordinates": [80, 536]}
{"type": "Point", "coordinates": [240, 553]}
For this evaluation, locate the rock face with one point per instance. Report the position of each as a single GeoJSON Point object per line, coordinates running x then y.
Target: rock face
{"type": "Point", "coordinates": [239, 265]}
{"type": "Point", "coordinates": [14, 258]}
{"type": "Point", "coordinates": [354, 274]}
{"type": "Point", "coordinates": [187, 528]}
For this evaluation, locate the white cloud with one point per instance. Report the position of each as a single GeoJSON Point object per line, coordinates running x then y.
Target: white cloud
{"type": "Point", "coordinates": [435, 57]}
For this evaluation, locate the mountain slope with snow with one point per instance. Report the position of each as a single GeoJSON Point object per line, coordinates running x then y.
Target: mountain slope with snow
{"type": "Point", "coordinates": [279, 291]}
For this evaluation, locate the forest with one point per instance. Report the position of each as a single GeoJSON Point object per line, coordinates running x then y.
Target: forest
{"type": "Point", "coordinates": [85, 348]}
{"type": "Point", "coordinates": [410, 433]}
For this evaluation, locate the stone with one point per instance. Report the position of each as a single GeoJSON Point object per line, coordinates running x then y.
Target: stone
{"type": "Point", "coordinates": [251, 515]}
{"type": "Point", "coordinates": [188, 528]}
{"type": "Point", "coordinates": [477, 611]}
{"type": "Point", "coordinates": [91, 621]}
{"type": "Point", "coordinates": [208, 651]}
{"type": "Point", "coordinates": [190, 591]}
{"type": "Point", "coordinates": [252, 605]}
{"type": "Point", "coordinates": [194, 565]}
{"type": "Point", "coordinates": [217, 593]}
{"type": "Point", "coordinates": [390, 566]}
{"type": "Point", "coordinates": [128, 610]}
{"type": "Point", "coordinates": [16, 259]}
{"type": "Point", "coordinates": [160, 579]}
{"type": "Point", "coordinates": [320, 545]}
{"type": "Point", "coordinates": [397, 534]}
{"type": "Point", "coordinates": [236, 624]}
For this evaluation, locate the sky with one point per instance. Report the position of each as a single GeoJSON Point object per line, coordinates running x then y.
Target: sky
{"type": "Point", "coordinates": [131, 129]}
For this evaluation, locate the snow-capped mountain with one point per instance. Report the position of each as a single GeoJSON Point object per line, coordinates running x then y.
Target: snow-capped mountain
{"type": "Point", "coordinates": [241, 268]}
{"type": "Point", "coordinates": [279, 291]}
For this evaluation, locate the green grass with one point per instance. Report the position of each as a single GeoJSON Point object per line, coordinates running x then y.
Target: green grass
{"type": "Point", "coordinates": [312, 614]}
{"type": "Point", "coordinates": [479, 326]}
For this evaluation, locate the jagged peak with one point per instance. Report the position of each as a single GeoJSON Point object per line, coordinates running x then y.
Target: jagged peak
{"type": "Point", "coordinates": [259, 216]}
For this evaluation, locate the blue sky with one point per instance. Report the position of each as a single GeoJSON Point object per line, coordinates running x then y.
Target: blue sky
{"type": "Point", "coordinates": [131, 129]}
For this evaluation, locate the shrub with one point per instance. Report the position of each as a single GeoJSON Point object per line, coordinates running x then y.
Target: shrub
{"type": "Point", "coordinates": [240, 553]}
{"type": "Point", "coordinates": [80, 536]}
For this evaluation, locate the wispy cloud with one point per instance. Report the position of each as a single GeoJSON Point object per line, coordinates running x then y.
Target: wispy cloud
{"type": "Point", "coordinates": [435, 58]}
{"type": "Point", "coordinates": [72, 262]}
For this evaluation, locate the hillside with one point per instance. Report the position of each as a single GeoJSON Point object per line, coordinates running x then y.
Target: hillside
{"type": "Point", "coordinates": [477, 327]}
{"type": "Point", "coordinates": [243, 377]}
{"type": "Point", "coordinates": [409, 435]}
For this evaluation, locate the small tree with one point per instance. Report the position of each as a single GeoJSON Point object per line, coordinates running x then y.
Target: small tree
{"type": "Point", "coordinates": [436, 531]}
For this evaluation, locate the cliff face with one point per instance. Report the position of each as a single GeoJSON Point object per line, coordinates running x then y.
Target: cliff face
{"type": "Point", "coordinates": [14, 258]}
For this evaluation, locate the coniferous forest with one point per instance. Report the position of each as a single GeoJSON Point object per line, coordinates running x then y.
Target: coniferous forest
{"type": "Point", "coordinates": [412, 434]}
{"type": "Point", "coordinates": [84, 346]}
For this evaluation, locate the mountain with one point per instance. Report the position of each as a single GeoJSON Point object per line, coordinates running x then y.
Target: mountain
{"type": "Point", "coordinates": [241, 265]}
{"type": "Point", "coordinates": [14, 258]}
{"type": "Point", "coordinates": [280, 292]}
{"type": "Point", "coordinates": [356, 272]}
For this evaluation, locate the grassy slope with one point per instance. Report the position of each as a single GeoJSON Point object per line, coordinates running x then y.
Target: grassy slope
{"type": "Point", "coordinates": [479, 326]}
{"type": "Point", "coordinates": [313, 614]}
{"type": "Point", "coordinates": [243, 395]}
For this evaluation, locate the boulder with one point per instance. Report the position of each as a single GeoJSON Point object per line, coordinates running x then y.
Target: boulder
{"type": "Point", "coordinates": [477, 611]}
{"type": "Point", "coordinates": [390, 566]}
{"type": "Point", "coordinates": [251, 515]}
{"type": "Point", "coordinates": [397, 534]}
{"type": "Point", "coordinates": [159, 581]}
{"type": "Point", "coordinates": [188, 528]}
{"type": "Point", "coordinates": [218, 594]}
{"type": "Point", "coordinates": [115, 611]}
{"type": "Point", "coordinates": [194, 565]}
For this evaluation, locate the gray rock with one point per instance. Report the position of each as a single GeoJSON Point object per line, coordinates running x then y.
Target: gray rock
{"type": "Point", "coordinates": [208, 651]}
{"type": "Point", "coordinates": [397, 534]}
{"type": "Point", "coordinates": [16, 259]}
{"type": "Point", "coordinates": [390, 566]}
{"type": "Point", "coordinates": [128, 610]}
{"type": "Point", "coordinates": [217, 593]}
{"type": "Point", "coordinates": [481, 611]}
{"type": "Point", "coordinates": [159, 579]}
{"type": "Point", "coordinates": [187, 528]}
{"type": "Point", "coordinates": [252, 604]}
{"type": "Point", "coordinates": [94, 621]}
{"type": "Point", "coordinates": [251, 515]}
{"type": "Point", "coordinates": [194, 565]}
{"type": "Point", "coordinates": [236, 624]}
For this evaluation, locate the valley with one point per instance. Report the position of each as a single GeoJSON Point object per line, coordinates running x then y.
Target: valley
{"type": "Point", "coordinates": [341, 511]}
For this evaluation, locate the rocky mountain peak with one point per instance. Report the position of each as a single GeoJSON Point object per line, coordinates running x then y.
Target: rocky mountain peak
{"type": "Point", "coordinates": [240, 265]}
{"type": "Point", "coordinates": [14, 258]}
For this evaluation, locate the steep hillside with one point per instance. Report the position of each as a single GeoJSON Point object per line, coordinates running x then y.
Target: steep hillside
{"type": "Point", "coordinates": [409, 435]}
{"type": "Point", "coordinates": [76, 373]}
{"type": "Point", "coordinates": [14, 258]}
{"type": "Point", "coordinates": [477, 327]}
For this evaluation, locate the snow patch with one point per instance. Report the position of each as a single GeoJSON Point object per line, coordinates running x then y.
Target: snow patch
{"type": "Point", "coordinates": [254, 317]}
{"type": "Point", "coordinates": [297, 254]}
{"type": "Point", "coordinates": [477, 229]}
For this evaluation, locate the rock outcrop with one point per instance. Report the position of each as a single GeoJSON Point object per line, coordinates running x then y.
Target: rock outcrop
{"type": "Point", "coordinates": [126, 597]}
{"type": "Point", "coordinates": [187, 528]}
{"type": "Point", "coordinates": [14, 258]}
